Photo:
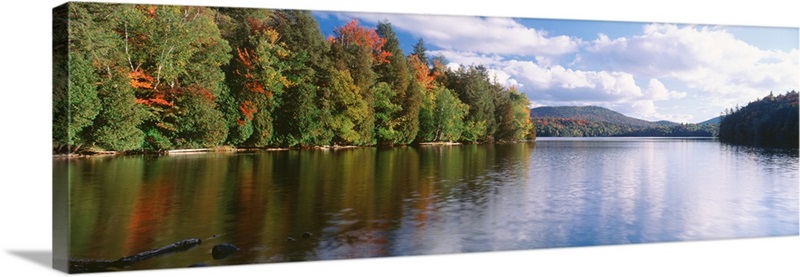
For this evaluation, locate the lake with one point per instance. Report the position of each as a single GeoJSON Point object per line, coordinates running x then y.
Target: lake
{"type": "Point", "coordinates": [370, 202]}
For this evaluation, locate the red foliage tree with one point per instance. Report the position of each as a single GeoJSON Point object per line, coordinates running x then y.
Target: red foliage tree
{"type": "Point", "coordinates": [352, 34]}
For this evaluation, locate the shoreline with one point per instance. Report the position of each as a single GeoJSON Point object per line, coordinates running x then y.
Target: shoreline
{"type": "Point", "coordinates": [229, 149]}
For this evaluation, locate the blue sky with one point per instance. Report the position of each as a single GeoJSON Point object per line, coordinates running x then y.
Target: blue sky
{"type": "Point", "coordinates": [653, 71]}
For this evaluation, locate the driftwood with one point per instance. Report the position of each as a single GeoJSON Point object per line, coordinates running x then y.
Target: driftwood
{"type": "Point", "coordinates": [90, 265]}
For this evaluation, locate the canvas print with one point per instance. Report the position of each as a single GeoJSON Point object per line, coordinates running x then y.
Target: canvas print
{"type": "Point", "coordinates": [190, 136]}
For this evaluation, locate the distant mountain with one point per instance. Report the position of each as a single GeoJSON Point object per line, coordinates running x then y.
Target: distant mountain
{"type": "Point", "coordinates": [715, 120]}
{"type": "Point", "coordinates": [592, 121]}
{"type": "Point", "coordinates": [594, 113]}
{"type": "Point", "coordinates": [665, 123]}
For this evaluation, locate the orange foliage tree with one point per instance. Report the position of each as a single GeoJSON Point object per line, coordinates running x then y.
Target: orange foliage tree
{"type": "Point", "coordinates": [352, 34]}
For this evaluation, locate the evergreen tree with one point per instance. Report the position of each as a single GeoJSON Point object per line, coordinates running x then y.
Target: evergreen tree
{"type": "Point", "coordinates": [385, 124]}
{"type": "Point", "coordinates": [82, 103]}
{"type": "Point", "coordinates": [397, 74]}
{"type": "Point", "coordinates": [116, 127]}
{"type": "Point", "coordinates": [419, 51]}
{"type": "Point", "coordinates": [300, 120]}
{"type": "Point", "coordinates": [473, 87]}
{"type": "Point", "coordinates": [199, 123]}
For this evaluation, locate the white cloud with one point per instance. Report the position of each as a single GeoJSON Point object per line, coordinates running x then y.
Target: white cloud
{"type": "Point", "coordinates": [556, 85]}
{"type": "Point", "coordinates": [504, 79]}
{"type": "Point", "coordinates": [657, 91]}
{"type": "Point", "coordinates": [710, 60]}
{"type": "Point", "coordinates": [491, 35]}
{"type": "Point", "coordinates": [559, 83]}
{"type": "Point", "coordinates": [466, 58]}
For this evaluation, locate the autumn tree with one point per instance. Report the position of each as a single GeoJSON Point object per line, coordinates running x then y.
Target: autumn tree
{"type": "Point", "coordinates": [511, 114]}
{"type": "Point", "coordinates": [355, 50]}
{"type": "Point", "coordinates": [174, 54]}
{"type": "Point", "coordinates": [523, 125]}
{"type": "Point", "coordinates": [152, 77]}
{"type": "Point", "coordinates": [256, 78]}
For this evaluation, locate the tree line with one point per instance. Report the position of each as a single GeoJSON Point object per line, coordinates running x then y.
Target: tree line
{"type": "Point", "coordinates": [572, 127]}
{"type": "Point", "coordinates": [152, 78]}
{"type": "Point", "coordinates": [771, 121]}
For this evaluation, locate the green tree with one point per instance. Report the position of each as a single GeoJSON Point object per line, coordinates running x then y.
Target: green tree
{"type": "Point", "coordinates": [419, 51]}
{"type": "Point", "coordinates": [199, 123]}
{"type": "Point", "coordinates": [425, 83]}
{"type": "Point", "coordinates": [301, 119]}
{"type": "Point", "coordinates": [473, 87]}
{"type": "Point", "coordinates": [116, 127]}
{"type": "Point", "coordinates": [407, 92]}
{"type": "Point", "coordinates": [82, 103]}
{"type": "Point", "coordinates": [350, 110]}
{"type": "Point", "coordinates": [385, 124]}
{"type": "Point", "coordinates": [448, 116]}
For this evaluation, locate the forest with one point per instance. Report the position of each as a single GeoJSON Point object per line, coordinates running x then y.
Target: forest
{"type": "Point", "coordinates": [571, 127]}
{"type": "Point", "coordinates": [155, 78]}
{"type": "Point", "coordinates": [771, 121]}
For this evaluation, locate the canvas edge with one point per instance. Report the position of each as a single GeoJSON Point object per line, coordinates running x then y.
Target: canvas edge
{"type": "Point", "coordinates": [60, 73]}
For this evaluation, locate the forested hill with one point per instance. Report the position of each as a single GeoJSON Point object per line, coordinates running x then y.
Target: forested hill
{"type": "Point", "coordinates": [772, 121]}
{"type": "Point", "coordinates": [592, 121]}
{"type": "Point", "coordinates": [594, 113]}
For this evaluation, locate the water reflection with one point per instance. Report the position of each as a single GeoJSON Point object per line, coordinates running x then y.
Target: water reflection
{"type": "Point", "coordinates": [369, 202]}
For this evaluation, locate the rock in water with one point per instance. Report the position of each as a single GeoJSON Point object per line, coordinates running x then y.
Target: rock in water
{"type": "Point", "coordinates": [221, 251]}
{"type": "Point", "coordinates": [305, 235]}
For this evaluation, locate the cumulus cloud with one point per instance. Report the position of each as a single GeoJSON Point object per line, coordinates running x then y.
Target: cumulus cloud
{"type": "Point", "coordinates": [657, 91]}
{"type": "Point", "coordinates": [708, 59]}
{"type": "Point", "coordinates": [557, 83]}
{"type": "Point", "coordinates": [558, 86]}
{"type": "Point", "coordinates": [488, 35]}
{"type": "Point", "coordinates": [467, 58]}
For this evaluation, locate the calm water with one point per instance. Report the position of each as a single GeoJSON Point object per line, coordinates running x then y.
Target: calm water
{"type": "Point", "coordinates": [371, 202]}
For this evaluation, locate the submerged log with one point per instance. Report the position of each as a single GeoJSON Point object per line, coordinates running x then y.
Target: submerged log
{"type": "Point", "coordinates": [90, 265]}
{"type": "Point", "coordinates": [175, 247]}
